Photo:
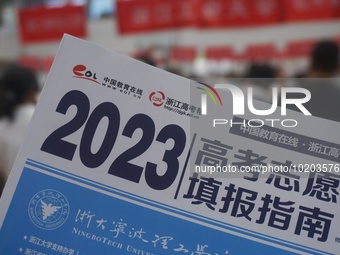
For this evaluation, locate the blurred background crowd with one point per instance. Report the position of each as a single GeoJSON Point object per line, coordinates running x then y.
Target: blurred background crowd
{"type": "Point", "coordinates": [207, 40]}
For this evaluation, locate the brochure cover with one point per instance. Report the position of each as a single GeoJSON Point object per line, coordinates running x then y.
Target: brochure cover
{"type": "Point", "coordinates": [125, 158]}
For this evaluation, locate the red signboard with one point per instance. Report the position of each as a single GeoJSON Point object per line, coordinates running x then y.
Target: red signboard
{"type": "Point", "coordinates": [336, 8]}
{"type": "Point", "coordinates": [162, 14]}
{"type": "Point", "coordinates": [45, 24]}
{"type": "Point", "coordinates": [148, 15]}
{"type": "Point", "coordinates": [301, 48]}
{"type": "Point", "coordinates": [251, 12]}
{"type": "Point", "coordinates": [261, 52]}
{"type": "Point", "coordinates": [134, 16]}
{"type": "Point", "coordinates": [186, 12]}
{"type": "Point", "coordinates": [183, 53]}
{"type": "Point", "coordinates": [307, 10]}
{"type": "Point", "coordinates": [220, 52]}
{"type": "Point", "coordinates": [211, 13]}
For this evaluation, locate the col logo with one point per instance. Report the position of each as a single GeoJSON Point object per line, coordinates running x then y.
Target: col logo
{"type": "Point", "coordinates": [157, 98]}
{"type": "Point", "coordinates": [80, 71]}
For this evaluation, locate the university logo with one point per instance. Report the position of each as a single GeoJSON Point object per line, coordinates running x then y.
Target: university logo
{"type": "Point", "coordinates": [48, 209]}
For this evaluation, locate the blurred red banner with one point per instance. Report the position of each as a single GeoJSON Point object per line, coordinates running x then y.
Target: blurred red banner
{"type": "Point", "coordinates": [307, 10]}
{"type": "Point", "coordinates": [149, 15]}
{"type": "Point", "coordinates": [145, 15]}
{"type": "Point", "coordinates": [261, 52]}
{"type": "Point", "coordinates": [186, 12]}
{"type": "Point", "coordinates": [336, 8]}
{"type": "Point", "coordinates": [301, 48]}
{"type": "Point", "coordinates": [211, 13]}
{"type": "Point", "coordinates": [252, 12]}
{"type": "Point", "coordinates": [220, 52]}
{"type": "Point", "coordinates": [183, 53]}
{"type": "Point", "coordinates": [134, 16]}
{"type": "Point", "coordinates": [41, 24]}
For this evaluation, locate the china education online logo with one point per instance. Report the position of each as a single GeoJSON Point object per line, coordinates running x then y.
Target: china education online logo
{"type": "Point", "coordinates": [48, 209]}
{"type": "Point", "coordinates": [81, 71]}
{"type": "Point", "coordinates": [111, 83]}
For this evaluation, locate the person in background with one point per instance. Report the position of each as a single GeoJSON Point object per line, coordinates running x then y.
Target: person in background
{"type": "Point", "coordinates": [261, 77]}
{"type": "Point", "coordinates": [324, 60]}
{"type": "Point", "coordinates": [321, 82]}
{"type": "Point", "coordinates": [18, 94]}
{"type": "Point", "coordinates": [147, 58]}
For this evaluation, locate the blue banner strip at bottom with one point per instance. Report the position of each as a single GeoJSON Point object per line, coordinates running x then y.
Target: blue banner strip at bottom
{"type": "Point", "coordinates": [49, 215]}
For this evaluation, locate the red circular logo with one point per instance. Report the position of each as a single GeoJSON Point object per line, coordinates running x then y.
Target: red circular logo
{"type": "Point", "coordinates": [157, 98]}
{"type": "Point", "coordinates": [79, 69]}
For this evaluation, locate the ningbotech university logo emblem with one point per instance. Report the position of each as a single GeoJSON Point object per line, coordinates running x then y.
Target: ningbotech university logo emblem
{"type": "Point", "coordinates": [48, 209]}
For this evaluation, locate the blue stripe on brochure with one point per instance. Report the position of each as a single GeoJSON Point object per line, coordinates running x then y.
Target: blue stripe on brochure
{"type": "Point", "coordinates": [175, 210]}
